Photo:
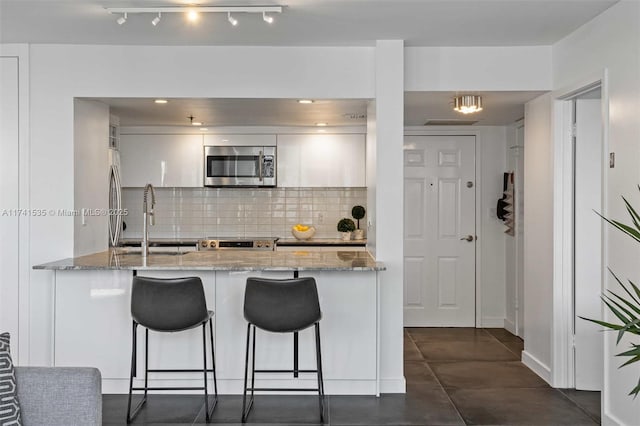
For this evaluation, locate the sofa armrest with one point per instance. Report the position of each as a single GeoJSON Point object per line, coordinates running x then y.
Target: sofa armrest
{"type": "Point", "coordinates": [59, 395]}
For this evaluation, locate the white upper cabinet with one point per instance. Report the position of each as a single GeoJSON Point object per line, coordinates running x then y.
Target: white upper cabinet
{"type": "Point", "coordinates": [321, 160]}
{"type": "Point", "coordinates": [162, 160]}
{"type": "Point", "coordinates": [240, 140]}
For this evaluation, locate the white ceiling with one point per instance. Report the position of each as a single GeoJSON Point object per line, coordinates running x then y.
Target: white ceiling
{"type": "Point", "coordinates": [500, 108]}
{"type": "Point", "coordinates": [304, 22]}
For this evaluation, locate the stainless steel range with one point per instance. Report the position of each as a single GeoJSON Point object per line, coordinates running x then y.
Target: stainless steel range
{"type": "Point", "coordinates": [260, 243]}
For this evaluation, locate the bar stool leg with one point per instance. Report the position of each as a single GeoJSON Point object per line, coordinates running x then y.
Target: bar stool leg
{"type": "Point", "coordinates": [213, 360]}
{"type": "Point", "coordinates": [204, 371]}
{"type": "Point", "coordinates": [245, 409]}
{"type": "Point", "coordinates": [319, 370]}
{"type": "Point", "coordinates": [133, 369]}
{"type": "Point", "coordinates": [146, 362]}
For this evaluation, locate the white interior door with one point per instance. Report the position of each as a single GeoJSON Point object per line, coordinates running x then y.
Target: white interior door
{"type": "Point", "coordinates": [589, 341]}
{"type": "Point", "coordinates": [439, 231]}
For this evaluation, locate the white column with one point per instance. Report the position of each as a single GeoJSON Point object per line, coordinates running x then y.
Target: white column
{"type": "Point", "coordinates": [388, 215]}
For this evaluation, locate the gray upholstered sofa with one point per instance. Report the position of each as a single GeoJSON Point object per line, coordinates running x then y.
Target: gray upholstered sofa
{"type": "Point", "coordinates": [59, 396]}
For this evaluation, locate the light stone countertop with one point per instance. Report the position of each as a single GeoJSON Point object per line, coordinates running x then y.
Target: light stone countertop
{"type": "Point", "coordinates": [222, 260]}
{"type": "Point", "coordinates": [320, 242]}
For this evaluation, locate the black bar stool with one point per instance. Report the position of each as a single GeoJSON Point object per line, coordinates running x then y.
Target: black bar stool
{"type": "Point", "coordinates": [281, 306]}
{"type": "Point", "coordinates": [170, 305]}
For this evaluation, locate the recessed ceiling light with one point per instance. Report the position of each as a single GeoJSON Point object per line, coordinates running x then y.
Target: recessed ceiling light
{"type": "Point", "coordinates": [305, 101]}
{"type": "Point", "coordinates": [467, 104]}
{"type": "Point", "coordinates": [161, 101]}
{"type": "Point", "coordinates": [321, 124]}
{"type": "Point", "coordinates": [196, 123]}
{"type": "Point", "coordinates": [266, 18]}
{"type": "Point", "coordinates": [193, 15]}
{"type": "Point", "coordinates": [204, 129]}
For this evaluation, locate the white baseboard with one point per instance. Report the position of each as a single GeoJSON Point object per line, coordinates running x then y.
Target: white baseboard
{"type": "Point", "coordinates": [393, 385]}
{"type": "Point", "coordinates": [536, 366]}
{"type": "Point", "coordinates": [492, 322]}
{"type": "Point", "coordinates": [510, 326]}
{"type": "Point", "coordinates": [609, 420]}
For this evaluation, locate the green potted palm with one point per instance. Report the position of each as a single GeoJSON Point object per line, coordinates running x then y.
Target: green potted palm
{"type": "Point", "coordinates": [346, 227]}
{"type": "Point", "coordinates": [625, 306]}
{"type": "Point", "coordinates": [358, 212]}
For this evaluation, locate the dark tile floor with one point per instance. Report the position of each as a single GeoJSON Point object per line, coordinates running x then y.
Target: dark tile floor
{"type": "Point", "coordinates": [455, 376]}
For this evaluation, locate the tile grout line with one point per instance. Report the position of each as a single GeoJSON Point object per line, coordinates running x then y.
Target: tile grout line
{"type": "Point", "coordinates": [598, 421]}
{"type": "Point", "coordinates": [455, 407]}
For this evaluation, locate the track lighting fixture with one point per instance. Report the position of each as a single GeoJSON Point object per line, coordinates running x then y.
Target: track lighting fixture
{"type": "Point", "coordinates": [121, 20]}
{"type": "Point", "coordinates": [193, 13]}
{"type": "Point", "coordinates": [231, 19]}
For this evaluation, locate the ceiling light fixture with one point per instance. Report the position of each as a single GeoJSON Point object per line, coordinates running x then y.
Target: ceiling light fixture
{"type": "Point", "coordinates": [161, 101]}
{"type": "Point", "coordinates": [192, 15]}
{"type": "Point", "coordinates": [193, 12]}
{"type": "Point", "coordinates": [321, 124]}
{"type": "Point", "coordinates": [121, 20]}
{"type": "Point", "coordinates": [305, 101]}
{"type": "Point", "coordinates": [204, 129]}
{"type": "Point", "coordinates": [467, 104]}
{"type": "Point", "coordinates": [233, 21]}
{"type": "Point", "coordinates": [156, 20]}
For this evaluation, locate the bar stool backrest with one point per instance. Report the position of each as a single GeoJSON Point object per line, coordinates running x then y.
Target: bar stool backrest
{"type": "Point", "coordinates": [282, 306]}
{"type": "Point", "coordinates": [173, 304]}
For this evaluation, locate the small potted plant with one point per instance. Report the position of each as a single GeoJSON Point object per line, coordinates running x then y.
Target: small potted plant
{"type": "Point", "coordinates": [346, 227]}
{"type": "Point", "coordinates": [358, 213]}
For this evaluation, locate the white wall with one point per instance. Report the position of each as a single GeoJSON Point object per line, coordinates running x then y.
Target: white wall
{"type": "Point", "coordinates": [477, 68]}
{"type": "Point", "coordinates": [9, 200]}
{"type": "Point", "coordinates": [491, 142]}
{"type": "Point", "coordinates": [611, 42]}
{"type": "Point", "coordinates": [514, 257]}
{"type": "Point", "coordinates": [538, 236]}
{"type": "Point", "coordinates": [91, 188]}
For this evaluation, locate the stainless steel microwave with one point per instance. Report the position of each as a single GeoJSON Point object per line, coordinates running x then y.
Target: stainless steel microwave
{"type": "Point", "coordinates": [249, 166]}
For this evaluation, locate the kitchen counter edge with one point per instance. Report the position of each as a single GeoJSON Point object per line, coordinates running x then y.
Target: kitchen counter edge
{"type": "Point", "coordinates": [222, 261]}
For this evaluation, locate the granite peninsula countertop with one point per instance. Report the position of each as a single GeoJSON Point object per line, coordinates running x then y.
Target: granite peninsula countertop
{"type": "Point", "coordinates": [223, 260]}
{"type": "Point", "coordinates": [285, 242]}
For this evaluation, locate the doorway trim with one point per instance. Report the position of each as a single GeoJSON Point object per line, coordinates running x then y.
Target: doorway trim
{"type": "Point", "coordinates": [563, 368]}
{"type": "Point", "coordinates": [418, 131]}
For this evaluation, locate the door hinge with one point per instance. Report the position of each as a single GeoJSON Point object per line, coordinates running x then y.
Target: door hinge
{"type": "Point", "coordinates": [574, 130]}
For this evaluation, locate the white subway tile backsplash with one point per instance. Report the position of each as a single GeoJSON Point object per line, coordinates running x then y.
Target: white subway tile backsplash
{"type": "Point", "coordinates": [241, 212]}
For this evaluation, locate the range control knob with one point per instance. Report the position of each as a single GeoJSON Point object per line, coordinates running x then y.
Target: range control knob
{"type": "Point", "coordinates": [259, 244]}
{"type": "Point", "coordinates": [212, 244]}
{"type": "Point", "coordinates": [203, 244]}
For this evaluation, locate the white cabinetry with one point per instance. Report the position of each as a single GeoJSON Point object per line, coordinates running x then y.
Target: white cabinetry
{"type": "Point", "coordinates": [162, 160]}
{"type": "Point", "coordinates": [240, 140]}
{"type": "Point", "coordinates": [321, 160]}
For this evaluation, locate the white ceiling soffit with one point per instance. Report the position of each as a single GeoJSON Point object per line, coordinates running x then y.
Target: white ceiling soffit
{"type": "Point", "coordinates": [500, 108]}
{"type": "Point", "coordinates": [303, 22]}
{"type": "Point", "coordinates": [238, 112]}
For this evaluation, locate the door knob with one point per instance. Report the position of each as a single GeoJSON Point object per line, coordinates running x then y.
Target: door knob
{"type": "Point", "coordinates": [467, 238]}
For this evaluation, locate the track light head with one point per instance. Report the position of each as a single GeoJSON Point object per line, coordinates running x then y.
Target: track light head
{"type": "Point", "coordinates": [121, 20]}
{"type": "Point", "coordinates": [233, 21]}
{"type": "Point", "coordinates": [266, 18]}
{"type": "Point", "coordinates": [156, 20]}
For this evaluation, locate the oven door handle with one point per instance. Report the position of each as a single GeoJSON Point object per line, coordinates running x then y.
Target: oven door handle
{"type": "Point", "coordinates": [260, 161]}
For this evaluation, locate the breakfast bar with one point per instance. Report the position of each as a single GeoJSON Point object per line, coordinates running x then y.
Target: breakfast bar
{"type": "Point", "coordinates": [91, 321]}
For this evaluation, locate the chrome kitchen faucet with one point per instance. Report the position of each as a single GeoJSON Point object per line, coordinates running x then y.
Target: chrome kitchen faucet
{"type": "Point", "coordinates": [147, 216]}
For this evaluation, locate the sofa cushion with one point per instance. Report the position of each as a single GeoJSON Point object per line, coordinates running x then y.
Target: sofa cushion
{"type": "Point", "coordinates": [9, 407]}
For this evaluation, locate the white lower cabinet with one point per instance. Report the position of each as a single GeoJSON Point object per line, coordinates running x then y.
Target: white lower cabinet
{"type": "Point", "coordinates": [326, 160]}
{"type": "Point", "coordinates": [92, 327]}
{"type": "Point", "coordinates": [162, 160]}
